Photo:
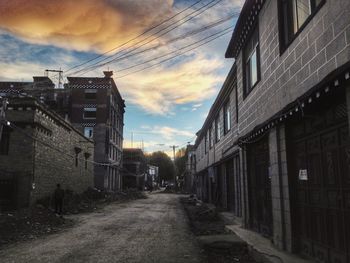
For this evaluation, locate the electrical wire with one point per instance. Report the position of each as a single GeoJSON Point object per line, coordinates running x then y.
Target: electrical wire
{"type": "Point", "coordinates": [177, 56]}
{"type": "Point", "coordinates": [195, 13]}
{"type": "Point", "coordinates": [13, 126]}
{"type": "Point", "coordinates": [138, 36]}
{"type": "Point", "coordinates": [181, 37]}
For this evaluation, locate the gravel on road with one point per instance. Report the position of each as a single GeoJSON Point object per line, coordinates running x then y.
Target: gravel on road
{"type": "Point", "coordinates": [147, 230]}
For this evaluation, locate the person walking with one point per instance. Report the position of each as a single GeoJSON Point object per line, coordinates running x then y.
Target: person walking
{"type": "Point", "coordinates": [59, 195]}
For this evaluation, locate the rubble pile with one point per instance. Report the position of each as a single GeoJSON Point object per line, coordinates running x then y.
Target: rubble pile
{"type": "Point", "coordinates": [204, 218]}
{"type": "Point", "coordinates": [220, 245]}
{"type": "Point", "coordinates": [91, 199]}
{"type": "Point", "coordinates": [29, 224]}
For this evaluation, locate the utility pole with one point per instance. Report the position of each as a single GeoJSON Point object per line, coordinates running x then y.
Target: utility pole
{"type": "Point", "coordinates": [60, 76]}
{"type": "Point", "coordinates": [132, 140]}
{"type": "Point", "coordinates": [174, 147]}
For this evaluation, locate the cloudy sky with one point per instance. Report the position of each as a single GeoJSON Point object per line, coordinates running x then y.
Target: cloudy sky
{"type": "Point", "coordinates": [168, 76]}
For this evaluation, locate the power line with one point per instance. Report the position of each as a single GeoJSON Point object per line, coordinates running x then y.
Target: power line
{"type": "Point", "coordinates": [172, 52]}
{"type": "Point", "coordinates": [195, 13]}
{"type": "Point", "coordinates": [145, 32]}
{"type": "Point", "coordinates": [179, 54]}
{"type": "Point", "coordinates": [181, 37]}
{"type": "Point", "coordinates": [12, 125]}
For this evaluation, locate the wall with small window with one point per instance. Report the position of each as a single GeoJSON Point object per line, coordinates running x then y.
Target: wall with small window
{"type": "Point", "coordinates": [292, 46]}
{"type": "Point", "coordinates": [220, 132]}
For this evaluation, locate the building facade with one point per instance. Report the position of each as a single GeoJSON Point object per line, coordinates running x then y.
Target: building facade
{"type": "Point", "coordinates": [190, 169]}
{"type": "Point", "coordinates": [39, 149]}
{"type": "Point", "coordinates": [285, 159]}
{"type": "Point", "coordinates": [96, 108]}
{"type": "Point", "coordinates": [135, 169]}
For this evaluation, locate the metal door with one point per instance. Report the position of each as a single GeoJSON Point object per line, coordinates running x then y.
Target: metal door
{"type": "Point", "coordinates": [259, 182]}
{"type": "Point", "coordinates": [319, 161]}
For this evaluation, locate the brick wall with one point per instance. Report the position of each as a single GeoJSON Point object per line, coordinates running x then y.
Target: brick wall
{"type": "Point", "coordinates": [321, 47]}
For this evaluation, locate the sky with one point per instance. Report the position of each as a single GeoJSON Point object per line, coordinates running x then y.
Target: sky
{"type": "Point", "coordinates": [168, 92]}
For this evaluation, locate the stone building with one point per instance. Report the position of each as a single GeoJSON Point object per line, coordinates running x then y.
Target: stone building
{"type": "Point", "coordinates": [289, 136]}
{"type": "Point", "coordinates": [96, 108]}
{"type": "Point", "coordinates": [39, 149]}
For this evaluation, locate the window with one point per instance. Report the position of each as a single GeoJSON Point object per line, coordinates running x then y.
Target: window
{"type": "Point", "coordinates": [227, 117]}
{"type": "Point", "coordinates": [89, 113]}
{"type": "Point", "coordinates": [90, 94]}
{"type": "Point", "coordinates": [211, 142]}
{"type": "Point", "coordinates": [5, 142]}
{"type": "Point", "coordinates": [206, 143]}
{"type": "Point", "coordinates": [88, 132]}
{"type": "Point", "coordinates": [294, 15]}
{"type": "Point", "coordinates": [217, 128]}
{"type": "Point", "coordinates": [252, 62]}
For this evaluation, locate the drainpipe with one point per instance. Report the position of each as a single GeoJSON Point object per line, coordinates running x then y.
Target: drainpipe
{"type": "Point", "coordinates": [280, 177]}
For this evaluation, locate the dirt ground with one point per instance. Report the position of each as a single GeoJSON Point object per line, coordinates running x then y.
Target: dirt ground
{"type": "Point", "coordinates": [40, 220]}
{"type": "Point", "coordinates": [147, 230]}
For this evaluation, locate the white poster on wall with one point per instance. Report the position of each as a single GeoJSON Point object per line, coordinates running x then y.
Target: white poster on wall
{"type": "Point", "coordinates": [303, 175]}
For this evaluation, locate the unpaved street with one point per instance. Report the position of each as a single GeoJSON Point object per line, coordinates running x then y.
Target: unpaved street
{"type": "Point", "coordinates": [147, 230]}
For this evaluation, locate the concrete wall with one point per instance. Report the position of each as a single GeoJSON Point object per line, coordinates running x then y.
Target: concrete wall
{"type": "Point", "coordinates": [215, 153]}
{"type": "Point", "coordinates": [321, 47]}
{"type": "Point", "coordinates": [282, 229]}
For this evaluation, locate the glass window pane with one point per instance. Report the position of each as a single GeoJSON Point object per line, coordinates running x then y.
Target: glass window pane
{"type": "Point", "coordinates": [228, 119]}
{"type": "Point", "coordinates": [253, 69]}
{"type": "Point", "coordinates": [88, 132]}
{"type": "Point", "coordinates": [303, 9]}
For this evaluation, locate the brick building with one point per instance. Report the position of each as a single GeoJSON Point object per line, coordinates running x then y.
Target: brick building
{"type": "Point", "coordinates": [96, 108]}
{"type": "Point", "coordinates": [285, 160]}
{"type": "Point", "coordinates": [38, 150]}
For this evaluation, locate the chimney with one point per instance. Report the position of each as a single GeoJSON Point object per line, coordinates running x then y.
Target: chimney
{"type": "Point", "coordinates": [108, 74]}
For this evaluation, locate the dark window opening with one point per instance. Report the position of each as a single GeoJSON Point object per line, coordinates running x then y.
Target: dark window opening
{"type": "Point", "coordinates": [89, 113]}
{"type": "Point", "coordinates": [294, 16]}
{"type": "Point", "coordinates": [217, 129]}
{"type": "Point", "coordinates": [251, 62]}
{"type": "Point", "coordinates": [90, 95]}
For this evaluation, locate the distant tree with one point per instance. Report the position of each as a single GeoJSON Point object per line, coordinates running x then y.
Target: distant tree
{"type": "Point", "coordinates": [180, 162]}
{"type": "Point", "coordinates": [165, 164]}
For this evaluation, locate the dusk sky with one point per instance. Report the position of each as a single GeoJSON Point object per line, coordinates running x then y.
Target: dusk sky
{"type": "Point", "coordinates": [166, 103]}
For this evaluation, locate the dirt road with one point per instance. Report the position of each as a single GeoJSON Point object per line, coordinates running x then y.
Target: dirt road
{"type": "Point", "coordinates": [147, 230]}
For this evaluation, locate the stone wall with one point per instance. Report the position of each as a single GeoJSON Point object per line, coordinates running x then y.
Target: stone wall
{"type": "Point", "coordinates": [42, 153]}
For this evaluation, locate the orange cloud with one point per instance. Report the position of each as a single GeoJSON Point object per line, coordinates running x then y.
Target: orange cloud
{"type": "Point", "coordinates": [159, 91]}
{"type": "Point", "coordinates": [84, 25]}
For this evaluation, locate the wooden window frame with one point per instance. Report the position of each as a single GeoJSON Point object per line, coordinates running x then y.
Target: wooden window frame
{"type": "Point", "coordinates": [247, 88]}
{"type": "Point", "coordinates": [227, 119]}
{"type": "Point", "coordinates": [284, 19]}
